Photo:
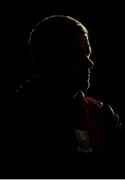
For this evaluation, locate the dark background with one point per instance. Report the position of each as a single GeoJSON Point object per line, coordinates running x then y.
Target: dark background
{"type": "Point", "coordinates": [105, 23]}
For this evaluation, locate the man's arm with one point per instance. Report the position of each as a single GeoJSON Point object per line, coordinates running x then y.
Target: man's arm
{"type": "Point", "coordinates": [114, 130]}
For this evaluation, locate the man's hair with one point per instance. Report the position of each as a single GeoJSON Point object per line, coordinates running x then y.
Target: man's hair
{"type": "Point", "coordinates": [52, 36]}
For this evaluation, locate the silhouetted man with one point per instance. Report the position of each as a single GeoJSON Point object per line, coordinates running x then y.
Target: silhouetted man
{"type": "Point", "coordinates": [61, 49]}
{"type": "Point", "coordinates": [57, 120]}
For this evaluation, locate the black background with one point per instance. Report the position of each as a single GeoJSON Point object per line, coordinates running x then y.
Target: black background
{"type": "Point", "coordinates": [105, 23]}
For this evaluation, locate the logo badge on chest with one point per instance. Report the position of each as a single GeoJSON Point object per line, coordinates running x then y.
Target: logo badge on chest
{"type": "Point", "coordinates": [83, 141]}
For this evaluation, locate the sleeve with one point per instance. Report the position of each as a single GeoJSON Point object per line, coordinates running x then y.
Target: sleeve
{"type": "Point", "coordinates": [114, 130]}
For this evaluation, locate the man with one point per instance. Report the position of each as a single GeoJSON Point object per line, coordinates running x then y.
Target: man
{"type": "Point", "coordinates": [57, 118]}
{"type": "Point", "coordinates": [61, 49]}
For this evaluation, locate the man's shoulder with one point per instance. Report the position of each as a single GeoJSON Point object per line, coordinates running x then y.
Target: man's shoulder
{"type": "Point", "coordinates": [93, 101]}
{"type": "Point", "coordinates": [105, 107]}
{"type": "Point", "coordinates": [97, 105]}
{"type": "Point", "coordinates": [107, 111]}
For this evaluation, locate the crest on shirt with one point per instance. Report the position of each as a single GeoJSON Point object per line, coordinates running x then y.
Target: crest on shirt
{"type": "Point", "coordinates": [83, 141]}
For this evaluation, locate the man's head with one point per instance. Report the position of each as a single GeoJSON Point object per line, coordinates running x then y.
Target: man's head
{"type": "Point", "coordinates": [60, 46]}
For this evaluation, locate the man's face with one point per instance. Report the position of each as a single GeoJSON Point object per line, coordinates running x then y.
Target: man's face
{"type": "Point", "coordinates": [77, 63]}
